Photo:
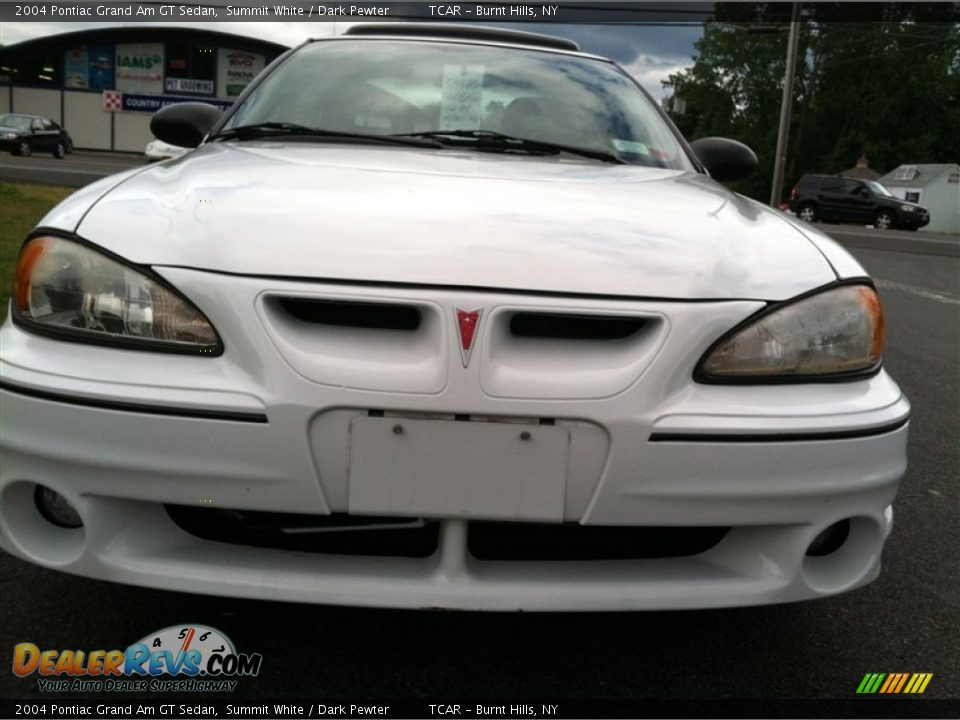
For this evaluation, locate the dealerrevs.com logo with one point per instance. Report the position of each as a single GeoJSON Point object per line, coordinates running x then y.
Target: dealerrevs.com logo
{"type": "Point", "coordinates": [181, 658]}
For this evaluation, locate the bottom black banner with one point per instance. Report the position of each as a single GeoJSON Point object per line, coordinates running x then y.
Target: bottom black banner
{"type": "Point", "coordinates": [517, 710]}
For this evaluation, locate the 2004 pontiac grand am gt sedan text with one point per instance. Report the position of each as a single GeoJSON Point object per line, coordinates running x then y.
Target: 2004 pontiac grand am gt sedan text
{"type": "Point", "coordinates": [451, 318]}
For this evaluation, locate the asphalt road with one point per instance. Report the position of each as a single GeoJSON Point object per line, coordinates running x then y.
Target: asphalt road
{"type": "Point", "coordinates": [75, 170]}
{"type": "Point", "coordinates": [908, 620]}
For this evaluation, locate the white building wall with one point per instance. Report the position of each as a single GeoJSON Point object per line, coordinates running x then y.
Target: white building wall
{"type": "Point", "coordinates": [942, 199]}
{"type": "Point", "coordinates": [86, 121]}
{"type": "Point", "coordinates": [37, 101]}
{"type": "Point", "coordinates": [83, 117]}
{"type": "Point", "coordinates": [132, 131]}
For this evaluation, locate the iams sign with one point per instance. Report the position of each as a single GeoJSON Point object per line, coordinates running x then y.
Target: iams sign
{"type": "Point", "coordinates": [143, 62]}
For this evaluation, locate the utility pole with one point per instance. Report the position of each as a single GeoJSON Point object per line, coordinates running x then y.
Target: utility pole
{"type": "Point", "coordinates": [786, 107]}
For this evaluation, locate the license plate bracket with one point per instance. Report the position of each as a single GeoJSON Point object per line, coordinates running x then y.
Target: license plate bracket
{"type": "Point", "coordinates": [443, 468]}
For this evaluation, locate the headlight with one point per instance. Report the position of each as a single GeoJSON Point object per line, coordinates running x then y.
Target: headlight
{"type": "Point", "coordinates": [830, 334]}
{"type": "Point", "coordinates": [8, 136]}
{"type": "Point", "coordinates": [907, 208]}
{"type": "Point", "coordinates": [66, 289]}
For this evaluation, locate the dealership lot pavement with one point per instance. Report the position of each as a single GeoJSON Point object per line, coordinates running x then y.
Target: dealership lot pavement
{"type": "Point", "coordinates": [908, 621]}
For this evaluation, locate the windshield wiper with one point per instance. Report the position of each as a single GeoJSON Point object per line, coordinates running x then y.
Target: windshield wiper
{"type": "Point", "coordinates": [285, 129]}
{"type": "Point", "coordinates": [491, 140]}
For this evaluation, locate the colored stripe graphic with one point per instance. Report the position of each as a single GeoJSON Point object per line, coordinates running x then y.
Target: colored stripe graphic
{"type": "Point", "coordinates": [892, 678]}
{"type": "Point", "coordinates": [870, 683]}
{"type": "Point", "coordinates": [918, 683]}
{"type": "Point", "coordinates": [903, 680]}
{"type": "Point", "coordinates": [894, 683]}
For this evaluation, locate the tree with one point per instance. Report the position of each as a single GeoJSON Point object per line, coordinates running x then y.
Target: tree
{"type": "Point", "coordinates": [888, 88]}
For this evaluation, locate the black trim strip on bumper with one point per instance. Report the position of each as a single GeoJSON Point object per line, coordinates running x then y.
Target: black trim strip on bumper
{"type": "Point", "coordinates": [778, 437]}
{"type": "Point", "coordinates": [120, 406]}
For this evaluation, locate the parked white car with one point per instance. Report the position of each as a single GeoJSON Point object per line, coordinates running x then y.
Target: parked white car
{"type": "Point", "coordinates": [159, 150]}
{"type": "Point", "coordinates": [445, 317]}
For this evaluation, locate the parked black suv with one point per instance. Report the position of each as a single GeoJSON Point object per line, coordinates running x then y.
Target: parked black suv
{"type": "Point", "coordinates": [833, 198]}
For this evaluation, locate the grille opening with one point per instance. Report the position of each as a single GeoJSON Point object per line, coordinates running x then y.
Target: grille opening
{"type": "Point", "coordinates": [569, 541]}
{"type": "Point", "coordinates": [374, 316]}
{"type": "Point", "coordinates": [574, 327]}
{"type": "Point", "coordinates": [337, 534]}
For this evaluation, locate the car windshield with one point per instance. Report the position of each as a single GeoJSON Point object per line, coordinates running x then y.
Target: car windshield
{"type": "Point", "coordinates": [18, 122]}
{"type": "Point", "coordinates": [878, 189]}
{"type": "Point", "coordinates": [389, 87]}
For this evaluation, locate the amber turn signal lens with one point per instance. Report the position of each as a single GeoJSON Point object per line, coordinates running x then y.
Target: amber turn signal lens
{"type": "Point", "coordinates": [30, 255]}
{"type": "Point", "coordinates": [872, 306]}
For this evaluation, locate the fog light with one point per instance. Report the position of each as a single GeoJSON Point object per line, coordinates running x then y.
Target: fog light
{"type": "Point", "coordinates": [830, 540]}
{"type": "Point", "coordinates": [55, 508]}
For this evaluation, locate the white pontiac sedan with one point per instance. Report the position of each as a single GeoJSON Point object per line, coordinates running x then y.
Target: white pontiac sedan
{"type": "Point", "coordinates": [445, 317]}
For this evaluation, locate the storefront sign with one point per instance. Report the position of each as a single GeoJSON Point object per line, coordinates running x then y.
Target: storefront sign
{"type": "Point", "coordinates": [76, 69]}
{"type": "Point", "coordinates": [141, 102]}
{"type": "Point", "coordinates": [188, 85]}
{"type": "Point", "coordinates": [112, 101]}
{"type": "Point", "coordinates": [235, 70]}
{"type": "Point", "coordinates": [140, 67]}
{"type": "Point", "coordinates": [88, 67]}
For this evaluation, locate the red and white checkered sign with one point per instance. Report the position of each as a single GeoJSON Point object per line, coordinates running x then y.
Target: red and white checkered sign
{"type": "Point", "coordinates": [112, 100]}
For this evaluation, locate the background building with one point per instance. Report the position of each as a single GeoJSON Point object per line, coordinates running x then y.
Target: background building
{"type": "Point", "coordinates": [103, 85]}
{"type": "Point", "coordinates": [936, 187]}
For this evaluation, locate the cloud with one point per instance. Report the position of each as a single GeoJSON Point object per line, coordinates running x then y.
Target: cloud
{"type": "Point", "coordinates": [650, 73]}
{"type": "Point", "coordinates": [650, 53]}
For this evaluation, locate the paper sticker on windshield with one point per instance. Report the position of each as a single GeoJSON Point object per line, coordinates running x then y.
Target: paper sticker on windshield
{"type": "Point", "coordinates": [461, 100]}
{"type": "Point", "coordinates": [631, 147]}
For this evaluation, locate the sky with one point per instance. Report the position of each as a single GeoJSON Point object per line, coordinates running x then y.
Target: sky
{"type": "Point", "coordinates": [649, 52]}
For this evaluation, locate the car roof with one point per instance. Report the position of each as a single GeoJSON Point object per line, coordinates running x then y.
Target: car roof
{"type": "Point", "coordinates": [462, 32]}
{"type": "Point", "coordinates": [823, 176]}
{"type": "Point", "coordinates": [28, 115]}
{"type": "Point", "coordinates": [465, 34]}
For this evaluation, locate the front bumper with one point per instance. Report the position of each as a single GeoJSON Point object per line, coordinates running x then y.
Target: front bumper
{"type": "Point", "coordinates": [9, 144]}
{"type": "Point", "coordinates": [913, 221]}
{"type": "Point", "coordinates": [122, 434]}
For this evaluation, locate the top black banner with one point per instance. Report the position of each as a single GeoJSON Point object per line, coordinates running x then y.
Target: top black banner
{"type": "Point", "coordinates": [557, 11]}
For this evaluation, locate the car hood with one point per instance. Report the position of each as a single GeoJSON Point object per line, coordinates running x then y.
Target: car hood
{"type": "Point", "coordinates": [454, 218]}
{"type": "Point", "coordinates": [6, 129]}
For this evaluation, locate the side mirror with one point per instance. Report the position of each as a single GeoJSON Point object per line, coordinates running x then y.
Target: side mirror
{"type": "Point", "coordinates": [726, 160]}
{"type": "Point", "coordinates": [184, 124]}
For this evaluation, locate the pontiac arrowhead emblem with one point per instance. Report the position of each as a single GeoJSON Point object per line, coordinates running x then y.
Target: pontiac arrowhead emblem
{"type": "Point", "coordinates": [467, 322]}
